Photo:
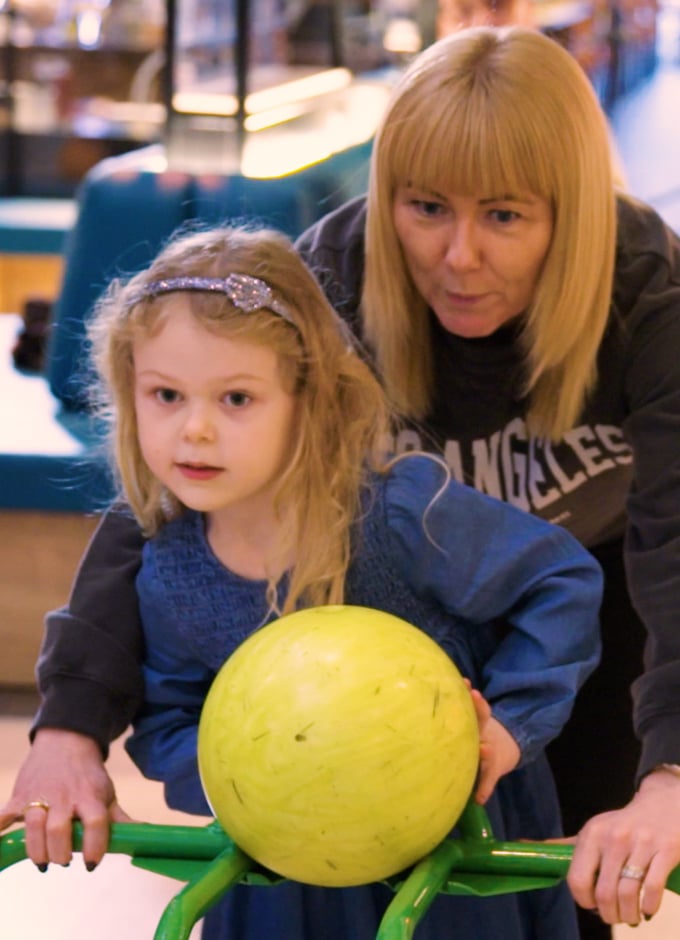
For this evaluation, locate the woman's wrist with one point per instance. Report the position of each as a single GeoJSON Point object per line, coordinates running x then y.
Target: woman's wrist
{"type": "Point", "coordinates": [662, 774]}
{"type": "Point", "coordinates": [670, 768]}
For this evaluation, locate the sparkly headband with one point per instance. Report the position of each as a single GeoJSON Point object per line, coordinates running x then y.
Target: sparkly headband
{"type": "Point", "coordinates": [245, 292]}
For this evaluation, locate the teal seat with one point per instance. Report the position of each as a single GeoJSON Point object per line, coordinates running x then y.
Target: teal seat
{"type": "Point", "coordinates": [289, 203]}
{"type": "Point", "coordinates": [123, 219]}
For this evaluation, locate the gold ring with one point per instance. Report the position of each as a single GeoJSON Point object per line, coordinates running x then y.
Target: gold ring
{"type": "Point", "coordinates": [633, 871]}
{"type": "Point", "coordinates": [40, 803]}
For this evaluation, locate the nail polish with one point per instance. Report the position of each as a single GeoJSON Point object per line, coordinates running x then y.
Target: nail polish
{"type": "Point", "coordinates": [90, 866]}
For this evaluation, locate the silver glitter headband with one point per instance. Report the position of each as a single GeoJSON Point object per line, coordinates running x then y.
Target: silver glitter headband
{"type": "Point", "coordinates": [245, 292]}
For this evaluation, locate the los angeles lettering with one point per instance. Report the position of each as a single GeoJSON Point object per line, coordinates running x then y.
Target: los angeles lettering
{"type": "Point", "coordinates": [528, 472]}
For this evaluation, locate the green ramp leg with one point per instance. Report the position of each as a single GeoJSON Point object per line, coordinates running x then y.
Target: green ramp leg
{"type": "Point", "coordinates": [199, 895]}
{"type": "Point", "coordinates": [416, 894]}
{"type": "Point", "coordinates": [474, 823]}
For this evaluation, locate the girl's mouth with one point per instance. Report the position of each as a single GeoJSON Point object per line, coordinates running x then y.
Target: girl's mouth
{"type": "Point", "coordinates": [198, 471]}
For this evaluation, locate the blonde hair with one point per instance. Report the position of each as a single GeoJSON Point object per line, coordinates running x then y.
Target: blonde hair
{"type": "Point", "coordinates": [342, 419]}
{"type": "Point", "coordinates": [486, 111]}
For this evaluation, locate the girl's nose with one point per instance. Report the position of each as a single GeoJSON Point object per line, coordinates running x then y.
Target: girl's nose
{"type": "Point", "coordinates": [463, 251]}
{"type": "Point", "coordinates": [198, 425]}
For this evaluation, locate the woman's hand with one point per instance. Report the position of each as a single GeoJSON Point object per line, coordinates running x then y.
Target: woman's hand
{"type": "Point", "coordinates": [644, 838]}
{"type": "Point", "coordinates": [63, 778]}
{"type": "Point", "coordinates": [498, 750]}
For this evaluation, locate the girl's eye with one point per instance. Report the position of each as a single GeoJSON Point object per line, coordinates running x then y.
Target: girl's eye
{"type": "Point", "coordinates": [237, 399]}
{"type": "Point", "coordinates": [166, 396]}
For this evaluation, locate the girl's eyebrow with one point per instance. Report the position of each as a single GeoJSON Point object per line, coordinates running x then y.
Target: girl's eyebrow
{"type": "Point", "coordinates": [236, 377]}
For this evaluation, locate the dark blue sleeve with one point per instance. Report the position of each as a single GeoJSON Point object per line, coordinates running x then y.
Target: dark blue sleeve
{"type": "Point", "coordinates": [484, 560]}
{"type": "Point", "coordinates": [165, 730]}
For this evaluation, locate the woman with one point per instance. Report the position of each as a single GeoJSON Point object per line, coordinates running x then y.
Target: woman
{"type": "Point", "coordinates": [526, 322]}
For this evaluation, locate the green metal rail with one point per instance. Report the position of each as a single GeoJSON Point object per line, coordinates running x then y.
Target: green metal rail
{"type": "Point", "coordinates": [210, 864]}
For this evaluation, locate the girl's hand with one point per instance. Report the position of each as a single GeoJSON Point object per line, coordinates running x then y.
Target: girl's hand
{"type": "Point", "coordinates": [498, 750]}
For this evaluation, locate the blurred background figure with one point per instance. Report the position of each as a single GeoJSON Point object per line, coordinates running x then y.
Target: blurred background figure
{"type": "Point", "coordinates": [457, 14]}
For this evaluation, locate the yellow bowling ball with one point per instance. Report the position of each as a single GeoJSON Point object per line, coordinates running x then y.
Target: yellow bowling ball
{"type": "Point", "coordinates": [338, 745]}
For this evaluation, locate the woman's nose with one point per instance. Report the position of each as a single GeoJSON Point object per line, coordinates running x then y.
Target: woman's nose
{"type": "Point", "coordinates": [463, 250]}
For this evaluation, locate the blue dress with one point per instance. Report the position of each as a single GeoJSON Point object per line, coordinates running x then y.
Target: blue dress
{"type": "Point", "coordinates": [512, 599]}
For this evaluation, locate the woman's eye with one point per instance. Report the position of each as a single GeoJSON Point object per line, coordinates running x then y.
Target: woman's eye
{"type": "Point", "coordinates": [427, 207]}
{"type": "Point", "coordinates": [504, 216]}
{"type": "Point", "coordinates": [237, 399]}
{"type": "Point", "coordinates": [166, 396]}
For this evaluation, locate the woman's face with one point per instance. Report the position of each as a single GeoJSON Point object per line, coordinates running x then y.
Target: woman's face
{"type": "Point", "coordinates": [475, 260]}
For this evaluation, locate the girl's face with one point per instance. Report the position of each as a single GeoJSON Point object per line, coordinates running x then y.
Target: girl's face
{"type": "Point", "coordinates": [216, 425]}
{"type": "Point", "coordinates": [475, 260]}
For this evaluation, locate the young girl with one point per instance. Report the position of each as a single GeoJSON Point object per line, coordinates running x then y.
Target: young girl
{"type": "Point", "coordinates": [248, 436]}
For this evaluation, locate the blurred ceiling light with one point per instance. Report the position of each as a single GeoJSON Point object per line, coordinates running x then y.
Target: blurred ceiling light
{"type": "Point", "coordinates": [311, 86]}
{"type": "Point", "coordinates": [402, 36]}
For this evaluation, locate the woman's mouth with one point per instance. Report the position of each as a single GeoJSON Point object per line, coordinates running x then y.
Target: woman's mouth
{"type": "Point", "coordinates": [463, 300]}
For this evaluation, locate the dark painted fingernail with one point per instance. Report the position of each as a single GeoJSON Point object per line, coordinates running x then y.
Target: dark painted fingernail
{"type": "Point", "coordinates": [647, 916]}
{"type": "Point", "coordinates": [65, 864]}
{"type": "Point", "coordinates": [42, 867]}
{"type": "Point", "coordinates": [90, 866]}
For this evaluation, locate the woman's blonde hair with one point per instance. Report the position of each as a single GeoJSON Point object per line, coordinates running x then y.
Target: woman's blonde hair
{"type": "Point", "coordinates": [489, 111]}
{"type": "Point", "coordinates": [341, 416]}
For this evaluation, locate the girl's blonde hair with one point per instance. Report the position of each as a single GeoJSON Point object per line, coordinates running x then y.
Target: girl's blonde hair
{"type": "Point", "coordinates": [487, 111]}
{"type": "Point", "coordinates": [341, 416]}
